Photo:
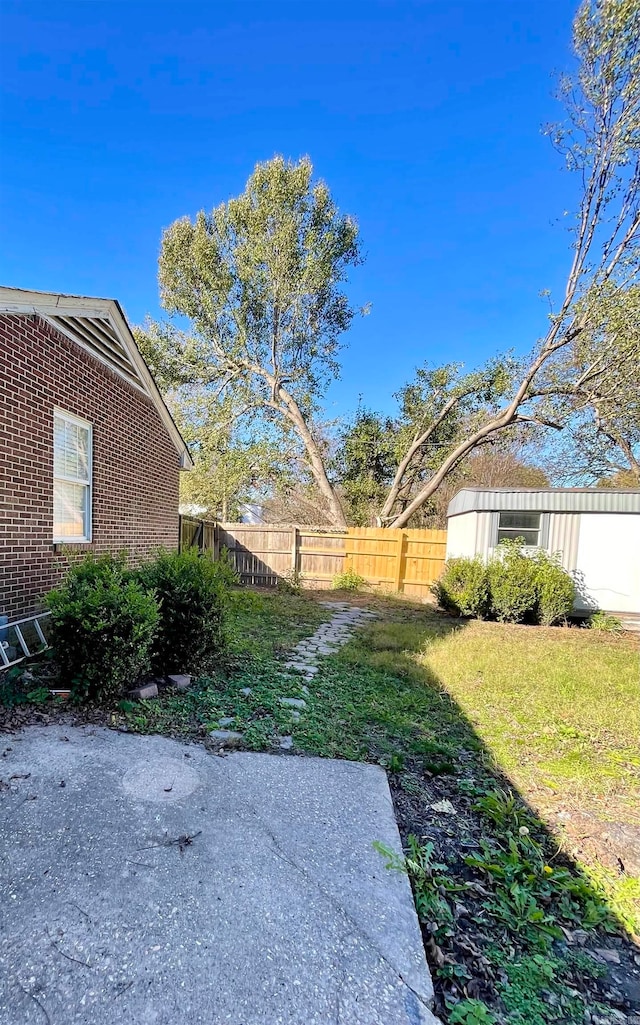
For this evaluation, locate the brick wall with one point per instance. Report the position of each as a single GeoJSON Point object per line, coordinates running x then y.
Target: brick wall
{"type": "Point", "coordinates": [135, 464]}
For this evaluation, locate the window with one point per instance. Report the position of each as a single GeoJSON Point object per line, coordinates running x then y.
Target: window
{"type": "Point", "coordinates": [71, 478]}
{"type": "Point", "coordinates": [525, 525]}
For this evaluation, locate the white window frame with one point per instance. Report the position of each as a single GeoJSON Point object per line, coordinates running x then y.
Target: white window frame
{"type": "Point", "coordinates": [62, 414]}
{"type": "Point", "coordinates": [516, 532]}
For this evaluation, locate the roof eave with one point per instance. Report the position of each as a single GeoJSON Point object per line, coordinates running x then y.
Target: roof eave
{"type": "Point", "coordinates": [19, 300]}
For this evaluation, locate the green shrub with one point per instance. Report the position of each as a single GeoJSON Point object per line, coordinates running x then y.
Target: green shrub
{"type": "Point", "coordinates": [513, 586]}
{"type": "Point", "coordinates": [556, 589]}
{"type": "Point", "coordinates": [290, 583]}
{"type": "Point", "coordinates": [348, 581]}
{"type": "Point", "coordinates": [103, 625]}
{"type": "Point", "coordinates": [463, 588]}
{"type": "Point", "coordinates": [225, 569]}
{"type": "Point", "coordinates": [513, 583]}
{"type": "Point", "coordinates": [192, 591]}
{"type": "Point", "coordinates": [605, 622]}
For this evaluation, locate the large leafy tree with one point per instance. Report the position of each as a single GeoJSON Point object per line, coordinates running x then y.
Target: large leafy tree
{"type": "Point", "coordinates": [438, 412]}
{"type": "Point", "coordinates": [600, 143]}
{"type": "Point", "coordinates": [369, 460]}
{"type": "Point", "coordinates": [364, 463]}
{"type": "Point", "coordinates": [260, 279]}
{"type": "Point", "coordinates": [231, 462]}
{"type": "Point", "coordinates": [602, 440]}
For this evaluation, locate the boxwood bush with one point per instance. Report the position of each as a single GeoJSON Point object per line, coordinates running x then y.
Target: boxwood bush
{"type": "Point", "coordinates": [514, 586]}
{"type": "Point", "coordinates": [192, 591]}
{"type": "Point", "coordinates": [103, 626]}
{"type": "Point", "coordinates": [463, 588]}
{"type": "Point", "coordinates": [556, 589]}
{"type": "Point", "coordinates": [513, 583]}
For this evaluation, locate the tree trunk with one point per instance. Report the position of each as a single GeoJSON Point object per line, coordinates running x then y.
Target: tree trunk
{"type": "Point", "coordinates": [316, 462]}
{"type": "Point", "coordinates": [285, 404]}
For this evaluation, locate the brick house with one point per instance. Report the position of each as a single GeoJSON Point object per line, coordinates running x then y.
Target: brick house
{"type": "Point", "coordinates": [91, 457]}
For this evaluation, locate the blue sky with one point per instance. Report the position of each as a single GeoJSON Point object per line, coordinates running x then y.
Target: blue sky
{"type": "Point", "coordinates": [424, 119]}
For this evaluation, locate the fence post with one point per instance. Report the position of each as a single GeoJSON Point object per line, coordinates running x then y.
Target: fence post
{"type": "Point", "coordinates": [398, 581]}
{"type": "Point", "coordinates": [216, 543]}
{"type": "Point", "coordinates": [294, 550]}
{"type": "Point", "coordinates": [348, 553]}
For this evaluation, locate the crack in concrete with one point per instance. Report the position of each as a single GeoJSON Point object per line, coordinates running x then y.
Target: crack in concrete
{"type": "Point", "coordinates": [356, 927]}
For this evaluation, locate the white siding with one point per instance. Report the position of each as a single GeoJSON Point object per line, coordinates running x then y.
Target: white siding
{"type": "Point", "coordinates": [608, 561]}
{"type": "Point", "coordinates": [564, 530]}
{"type": "Point", "coordinates": [485, 533]}
{"type": "Point", "coordinates": [470, 534]}
{"type": "Point", "coordinates": [461, 535]}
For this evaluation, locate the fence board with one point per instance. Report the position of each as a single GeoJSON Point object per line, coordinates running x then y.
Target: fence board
{"type": "Point", "coordinates": [393, 560]}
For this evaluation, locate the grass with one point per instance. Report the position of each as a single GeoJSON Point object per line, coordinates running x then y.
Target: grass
{"type": "Point", "coordinates": [261, 628]}
{"type": "Point", "coordinates": [557, 708]}
{"type": "Point", "coordinates": [504, 724]}
{"type": "Point", "coordinates": [554, 710]}
{"type": "Point", "coordinates": [267, 624]}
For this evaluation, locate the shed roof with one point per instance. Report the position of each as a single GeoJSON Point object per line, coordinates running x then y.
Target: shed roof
{"type": "Point", "coordinates": [100, 327]}
{"type": "Point", "coordinates": [545, 500]}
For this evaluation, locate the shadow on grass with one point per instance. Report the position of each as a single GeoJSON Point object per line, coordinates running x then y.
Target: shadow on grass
{"type": "Point", "coordinates": [515, 930]}
{"type": "Point", "coordinates": [512, 925]}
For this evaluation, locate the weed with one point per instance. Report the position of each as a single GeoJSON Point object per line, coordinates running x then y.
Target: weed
{"type": "Point", "coordinates": [393, 762]}
{"type": "Point", "coordinates": [38, 696]}
{"type": "Point", "coordinates": [432, 885]}
{"type": "Point", "coordinates": [505, 811]}
{"type": "Point", "coordinates": [534, 990]}
{"type": "Point", "coordinates": [581, 963]}
{"type": "Point", "coordinates": [290, 583]}
{"type": "Point", "coordinates": [605, 622]}
{"type": "Point", "coordinates": [348, 581]}
{"type": "Point", "coordinates": [525, 886]}
{"type": "Point", "coordinates": [471, 1012]}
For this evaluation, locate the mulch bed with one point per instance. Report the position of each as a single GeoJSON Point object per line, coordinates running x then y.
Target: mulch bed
{"type": "Point", "coordinates": [453, 835]}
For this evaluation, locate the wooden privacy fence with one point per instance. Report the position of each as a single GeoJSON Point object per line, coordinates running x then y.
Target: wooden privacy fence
{"type": "Point", "coordinates": [396, 560]}
{"type": "Point", "coordinates": [393, 560]}
{"type": "Point", "coordinates": [198, 533]}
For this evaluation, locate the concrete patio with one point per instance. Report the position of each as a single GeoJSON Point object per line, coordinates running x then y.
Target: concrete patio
{"type": "Point", "coordinates": [148, 881]}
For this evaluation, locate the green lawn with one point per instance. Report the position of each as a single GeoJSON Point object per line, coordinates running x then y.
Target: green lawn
{"type": "Point", "coordinates": [525, 736]}
{"type": "Point", "coordinates": [558, 708]}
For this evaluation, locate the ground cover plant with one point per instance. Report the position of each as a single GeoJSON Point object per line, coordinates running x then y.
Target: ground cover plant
{"type": "Point", "coordinates": [464, 716]}
{"type": "Point", "coordinates": [348, 581]}
{"type": "Point", "coordinates": [511, 754]}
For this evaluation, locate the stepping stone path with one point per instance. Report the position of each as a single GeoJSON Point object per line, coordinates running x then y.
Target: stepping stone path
{"type": "Point", "coordinates": [303, 665]}
{"type": "Point", "coordinates": [327, 639]}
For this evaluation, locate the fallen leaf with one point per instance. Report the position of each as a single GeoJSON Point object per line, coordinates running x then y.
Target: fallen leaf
{"type": "Point", "coordinates": [445, 807]}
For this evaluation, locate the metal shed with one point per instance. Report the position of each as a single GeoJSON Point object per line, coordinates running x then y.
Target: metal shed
{"type": "Point", "coordinates": [596, 532]}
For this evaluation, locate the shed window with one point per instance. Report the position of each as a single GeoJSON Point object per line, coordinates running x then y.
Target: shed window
{"type": "Point", "coordinates": [525, 525]}
{"type": "Point", "coordinates": [72, 440]}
